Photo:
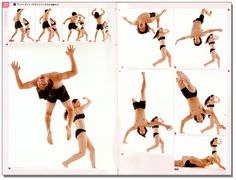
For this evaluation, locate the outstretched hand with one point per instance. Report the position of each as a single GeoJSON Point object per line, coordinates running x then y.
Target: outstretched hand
{"type": "Point", "coordinates": [15, 66]}
{"type": "Point", "coordinates": [168, 127]}
{"type": "Point", "coordinates": [70, 50]}
{"type": "Point", "coordinates": [125, 18]}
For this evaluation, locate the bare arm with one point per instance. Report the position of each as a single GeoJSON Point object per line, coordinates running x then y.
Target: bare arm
{"type": "Point", "coordinates": [29, 84]}
{"type": "Point", "coordinates": [211, 30]}
{"type": "Point", "coordinates": [81, 16]}
{"type": "Point", "coordinates": [183, 38]}
{"type": "Point", "coordinates": [73, 71]}
{"type": "Point", "coordinates": [66, 20]}
{"type": "Point", "coordinates": [187, 118]}
{"type": "Point", "coordinates": [153, 123]}
{"type": "Point", "coordinates": [131, 23]}
{"type": "Point", "coordinates": [84, 106]}
{"type": "Point", "coordinates": [166, 31]}
{"type": "Point", "coordinates": [92, 13]}
{"type": "Point", "coordinates": [103, 12]}
{"type": "Point", "coordinates": [127, 133]}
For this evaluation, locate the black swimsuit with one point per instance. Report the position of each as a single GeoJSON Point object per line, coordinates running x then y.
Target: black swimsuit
{"type": "Point", "coordinates": [187, 94]}
{"type": "Point", "coordinates": [140, 104]}
{"type": "Point", "coordinates": [189, 164]}
{"type": "Point", "coordinates": [99, 26]}
{"type": "Point", "coordinates": [79, 116]}
{"type": "Point", "coordinates": [45, 25]}
{"type": "Point", "coordinates": [18, 25]}
{"type": "Point", "coordinates": [212, 49]}
{"type": "Point", "coordinates": [201, 19]}
{"type": "Point", "coordinates": [72, 26]}
{"type": "Point", "coordinates": [60, 93]}
{"type": "Point", "coordinates": [152, 14]}
{"type": "Point", "coordinates": [78, 131]}
{"type": "Point", "coordinates": [161, 38]}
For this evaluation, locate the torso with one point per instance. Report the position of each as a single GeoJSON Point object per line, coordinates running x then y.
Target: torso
{"type": "Point", "coordinates": [196, 29]}
{"type": "Point", "coordinates": [195, 106]}
{"type": "Point", "coordinates": [144, 17]}
{"type": "Point", "coordinates": [99, 20]}
{"type": "Point", "coordinates": [140, 118]}
{"type": "Point", "coordinates": [57, 83]}
{"type": "Point", "coordinates": [79, 123]}
{"type": "Point", "coordinates": [45, 17]}
{"type": "Point", "coordinates": [73, 19]}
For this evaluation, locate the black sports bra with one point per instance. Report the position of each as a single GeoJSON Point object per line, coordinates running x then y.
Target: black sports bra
{"type": "Point", "coordinates": [79, 116]}
{"type": "Point", "coordinates": [212, 42]}
{"type": "Point", "coordinates": [161, 38]}
{"type": "Point", "coordinates": [140, 104]}
{"type": "Point", "coordinates": [210, 105]}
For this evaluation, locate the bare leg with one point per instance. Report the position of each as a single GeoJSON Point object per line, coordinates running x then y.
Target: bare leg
{"type": "Point", "coordinates": [57, 35]}
{"type": "Point", "coordinates": [41, 35]}
{"type": "Point", "coordinates": [143, 87]}
{"type": "Point", "coordinates": [96, 33]}
{"type": "Point", "coordinates": [157, 141]}
{"type": "Point", "coordinates": [186, 81]}
{"type": "Point", "coordinates": [51, 34]}
{"type": "Point", "coordinates": [70, 31]}
{"type": "Point", "coordinates": [169, 58]}
{"type": "Point", "coordinates": [22, 34]}
{"type": "Point", "coordinates": [28, 36]}
{"type": "Point", "coordinates": [69, 107]}
{"type": "Point", "coordinates": [92, 152]}
{"type": "Point", "coordinates": [49, 110]}
{"type": "Point", "coordinates": [209, 62]}
{"type": "Point", "coordinates": [204, 11]}
{"type": "Point", "coordinates": [77, 39]}
{"type": "Point", "coordinates": [218, 60]}
{"type": "Point", "coordinates": [82, 141]}
{"type": "Point", "coordinates": [14, 34]}
{"type": "Point", "coordinates": [103, 35]}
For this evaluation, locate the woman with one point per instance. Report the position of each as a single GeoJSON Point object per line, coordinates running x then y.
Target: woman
{"type": "Point", "coordinates": [214, 142]}
{"type": "Point", "coordinates": [45, 25]}
{"type": "Point", "coordinates": [197, 111]}
{"type": "Point", "coordinates": [144, 19]}
{"type": "Point", "coordinates": [197, 31]}
{"type": "Point", "coordinates": [106, 30]}
{"type": "Point", "coordinates": [98, 18]}
{"type": "Point", "coordinates": [214, 55]}
{"type": "Point", "coordinates": [82, 27]}
{"type": "Point", "coordinates": [160, 35]}
{"type": "Point", "coordinates": [27, 29]}
{"type": "Point", "coordinates": [72, 25]}
{"type": "Point", "coordinates": [157, 138]}
{"type": "Point", "coordinates": [210, 104]}
{"type": "Point", "coordinates": [54, 28]}
{"type": "Point", "coordinates": [192, 162]}
{"type": "Point", "coordinates": [141, 122]}
{"type": "Point", "coordinates": [49, 87]}
{"type": "Point", "coordinates": [18, 25]}
{"type": "Point", "coordinates": [80, 134]}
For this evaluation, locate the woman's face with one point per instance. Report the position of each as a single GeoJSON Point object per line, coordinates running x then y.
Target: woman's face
{"type": "Point", "coordinates": [142, 130]}
{"type": "Point", "coordinates": [199, 118]}
{"type": "Point", "coordinates": [42, 82]}
{"type": "Point", "coordinates": [161, 30]}
{"type": "Point", "coordinates": [141, 26]}
{"type": "Point", "coordinates": [76, 104]}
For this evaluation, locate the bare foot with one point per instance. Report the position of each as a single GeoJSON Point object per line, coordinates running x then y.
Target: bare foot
{"type": "Point", "coordinates": [147, 150]}
{"type": "Point", "coordinates": [49, 138]}
{"type": "Point", "coordinates": [202, 131]}
{"type": "Point", "coordinates": [68, 133]}
{"type": "Point", "coordinates": [65, 164]}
